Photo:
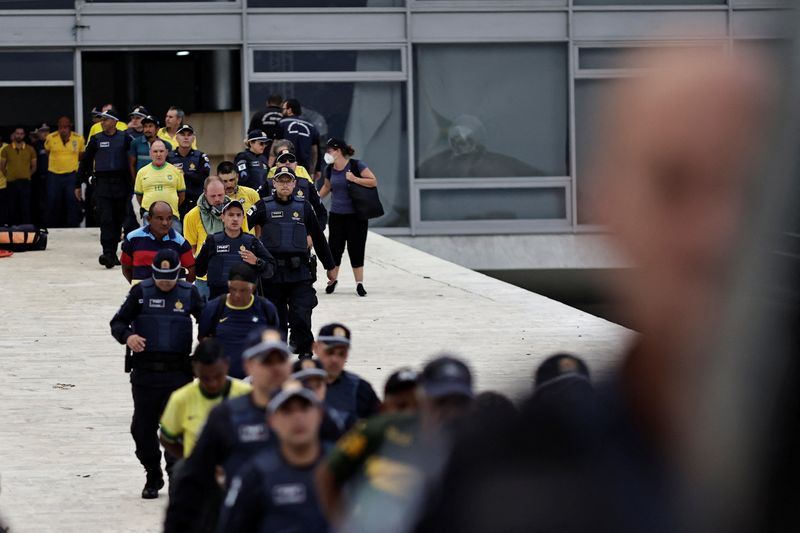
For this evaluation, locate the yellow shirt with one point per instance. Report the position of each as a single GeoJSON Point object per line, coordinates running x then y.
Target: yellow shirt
{"type": "Point", "coordinates": [3, 184]}
{"type": "Point", "coordinates": [164, 135]}
{"type": "Point", "coordinates": [299, 172]}
{"type": "Point", "coordinates": [155, 184]}
{"type": "Point", "coordinates": [63, 156]}
{"type": "Point", "coordinates": [97, 127]}
{"type": "Point", "coordinates": [249, 197]}
{"type": "Point", "coordinates": [187, 410]}
{"type": "Point", "coordinates": [195, 232]}
{"type": "Point", "coordinates": [18, 161]}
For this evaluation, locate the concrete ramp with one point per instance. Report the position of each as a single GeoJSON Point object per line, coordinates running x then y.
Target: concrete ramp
{"type": "Point", "coordinates": [66, 456]}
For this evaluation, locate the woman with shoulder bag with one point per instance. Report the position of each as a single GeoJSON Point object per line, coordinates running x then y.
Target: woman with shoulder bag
{"type": "Point", "coordinates": [347, 227]}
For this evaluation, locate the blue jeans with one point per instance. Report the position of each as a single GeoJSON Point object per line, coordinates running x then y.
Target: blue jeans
{"type": "Point", "coordinates": [63, 210]}
{"type": "Point", "coordinates": [202, 288]}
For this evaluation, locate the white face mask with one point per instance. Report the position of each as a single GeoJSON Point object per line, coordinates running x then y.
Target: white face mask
{"type": "Point", "coordinates": [329, 159]}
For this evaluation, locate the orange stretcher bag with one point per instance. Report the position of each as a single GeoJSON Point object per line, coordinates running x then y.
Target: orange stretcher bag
{"type": "Point", "coordinates": [22, 238]}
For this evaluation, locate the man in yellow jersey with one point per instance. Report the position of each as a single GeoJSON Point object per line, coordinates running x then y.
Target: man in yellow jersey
{"type": "Point", "coordinates": [188, 407]}
{"type": "Point", "coordinates": [18, 163]}
{"type": "Point", "coordinates": [159, 180]}
{"type": "Point", "coordinates": [173, 121]}
{"type": "Point", "coordinates": [204, 220]}
{"type": "Point", "coordinates": [230, 178]}
{"type": "Point", "coordinates": [64, 148]}
{"type": "Point", "coordinates": [97, 127]}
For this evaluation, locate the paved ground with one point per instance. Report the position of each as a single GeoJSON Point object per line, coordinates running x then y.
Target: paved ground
{"type": "Point", "coordinates": [66, 457]}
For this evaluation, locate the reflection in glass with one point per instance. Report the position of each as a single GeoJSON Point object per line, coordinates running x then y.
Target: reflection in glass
{"type": "Point", "coordinates": [370, 116]}
{"type": "Point", "coordinates": [326, 60]}
{"type": "Point", "coordinates": [34, 105]}
{"type": "Point", "coordinates": [36, 66]}
{"type": "Point", "coordinates": [496, 110]}
{"type": "Point", "coordinates": [325, 3]}
{"type": "Point", "coordinates": [493, 204]}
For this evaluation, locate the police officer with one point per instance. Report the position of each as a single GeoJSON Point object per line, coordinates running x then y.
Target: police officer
{"type": "Point", "coordinates": [268, 119]}
{"type": "Point", "coordinates": [135, 128]}
{"type": "Point", "coordinates": [193, 163]}
{"type": "Point", "coordinates": [155, 323]}
{"type": "Point", "coordinates": [107, 155]}
{"type": "Point", "coordinates": [235, 431]}
{"type": "Point", "coordinates": [230, 247]}
{"type": "Point", "coordinates": [252, 163]}
{"type": "Point", "coordinates": [303, 188]}
{"type": "Point", "coordinates": [283, 222]}
{"type": "Point", "coordinates": [275, 491]}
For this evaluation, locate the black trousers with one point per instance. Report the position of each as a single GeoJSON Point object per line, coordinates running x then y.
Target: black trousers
{"type": "Point", "coordinates": [19, 202]}
{"type": "Point", "coordinates": [111, 214]}
{"type": "Point", "coordinates": [351, 231]}
{"type": "Point", "coordinates": [295, 302]}
{"type": "Point", "coordinates": [148, 404]}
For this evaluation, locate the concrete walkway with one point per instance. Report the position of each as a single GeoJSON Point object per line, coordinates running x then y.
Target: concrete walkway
{"type": "Point", "coordinates": [66, 457]}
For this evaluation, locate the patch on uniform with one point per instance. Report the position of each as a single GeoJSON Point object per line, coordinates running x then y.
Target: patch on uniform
{"type": "Point", "coordinates": [566, 365]}
{"type": "Point", "coordinates": [300, 193]}
{"type": "Point", "coordinates": [255, 318]}
{"type": "Point", "coordinates": [242, 166]}
{"type": "Point", "coordinates": [339, 331]}
{"type": "Point", "coordinates": [105, 144]}
{"type": "Point", "coordinates": [242, 248]}
{"type": "Point", "coordinates": [169, 177]}
{"type": "Point", "coordinates": [179, 305]}
{"type": "Point", "coordinates": [177, 165]}
{"type": "Point", "coordinates": [255, 164]}
{"type": "Point", "coordinates": [251, 211]}
{"type": "Point", "coordinates": [277, 214]}
{"type": "Point", "coordinates": [192, 166]}
{"type": "Point", "coordinates": [296, 215]}
{"type": "Point", "coordinates": [253, 433]}
{"type": "Point", "coordinates": [288, 494]}
{"type": "Point", "coordinates": [157, 303]}
{"type": "Point", "coordinates": [223, 248]}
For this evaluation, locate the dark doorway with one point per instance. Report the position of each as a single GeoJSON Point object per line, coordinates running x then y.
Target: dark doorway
{"type": "Point", "coordinates": [198, 81]}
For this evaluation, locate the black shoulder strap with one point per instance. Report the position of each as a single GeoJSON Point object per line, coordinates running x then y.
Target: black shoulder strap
{"type": "Point", "coordinates": [354, 168]}
{"type": "Point", "coordinates": [218, 312]}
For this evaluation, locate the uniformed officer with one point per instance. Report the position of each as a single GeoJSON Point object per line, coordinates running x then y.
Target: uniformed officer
{"type": "Point", "coordinates": [107, 156]}
{"type": "Point", "coordinates": [229, 247]}
{"type": "Point", "coordinates": [193, 163]}
{"type": "Point", "coordinates": [285, 158]}
{"type": "Point", "coordinates": [313, 376]}
{"type": "Point", "coordinates": [283, 222]}
{"type": "Point", "coordinates": [155, 323]}
{"type": "Point", "coordinates": [135, 128]}
{"type": "Point", "coordinates": [252, 163]}
{"type": "Point", "coordinates": [235, 431]}
{"type": "Point", "coordinates": [275, 491]}
{"type": "Point", "coordinates": [347, 392]}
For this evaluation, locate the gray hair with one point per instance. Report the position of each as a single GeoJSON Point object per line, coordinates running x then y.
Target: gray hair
{"type": "Point", "coordinates": [178, 111]}
{"type": "Point", "coordinates": [280, 144]}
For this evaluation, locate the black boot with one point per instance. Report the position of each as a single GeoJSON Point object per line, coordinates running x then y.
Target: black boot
{"type": "Point", "coordinates": [155, 481]}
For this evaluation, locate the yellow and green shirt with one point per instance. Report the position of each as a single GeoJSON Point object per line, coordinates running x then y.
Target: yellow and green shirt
{"type": "Point", "coordinates": [159, 183]}
{"type": "Point", "coordinates": [187, 410]}
{"type": "Point", "coordinates": [63, 156]}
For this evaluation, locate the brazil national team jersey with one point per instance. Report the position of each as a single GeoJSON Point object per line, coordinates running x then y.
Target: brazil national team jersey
{"type": "Point", "coordinates": [159, 183]}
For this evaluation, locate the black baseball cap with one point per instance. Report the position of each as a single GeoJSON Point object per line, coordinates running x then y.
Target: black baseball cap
{"type": "Point", "coordinates": [166, 264]}
{"type": "Point", "coordinates": [446, 376]}
{"type": "Point", "coordinates": [402, 379]}
{"type": "Point", "coordinates": [307, 368]}
{"type": "Point", "coordinates": [334, 335]}
{"type": "Point", "coordinates": [185, 127]}
{"type": "Point", "coordinates": [139, 111]}
{"type": "Point", "coordinates": [558, 367]}
{"type": "Point", "coordinates": [284, 171]}
{"type": "Point", "coordinates": [151, 119]}
{"type": "Point", "coordinates": [256, 135]}
{"type": "Point", "coordinates": [242, 271]}
{"type": "Point", "coordinates": [292, 388]}
{"type": "Point", "coordinates": [337, 143]}
{"type": "Point", "coordinates": [263, 342]}
{"type": "Point", "coordinates": [111, 113]}
{"type": "Point", "coordinates": [232, 203]}
{"type": "Point", "coordinates": [286, 156]}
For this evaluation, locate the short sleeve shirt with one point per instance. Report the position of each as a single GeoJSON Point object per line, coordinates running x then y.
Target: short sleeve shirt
{"type": "Point", "coordinates": [64, 155]}
{"type": "Point", "coordinates": [18, 161]}
{"type": "Point", "coordinates": [187, 410]}
{"type": "Point", "coordinates": [159, 184]}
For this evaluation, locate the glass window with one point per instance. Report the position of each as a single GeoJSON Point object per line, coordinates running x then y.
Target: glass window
{"type": "Point", "coordinates": [38, 4]}
{"type": "Point", "coordinates": [493, 204]}
{"type": "Point", "coordinates": [628, 57]}
{"type": "Point", "coordinates": [590, 96]}
{"type": "Point", "coordinates": [326, 60]}
{"type": "Point", "coordinates": [36, 66]}
{"type": "Point", "coordinates": [370, 116]}
{"type": "Point", "coordinates": [649, 2]}
{"type": "Point", "coordinates": [326, 3]}
{"type": "Point", "coordinates": [34, 105]}
{"type": "Point", "coordinates": [491, 110]}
